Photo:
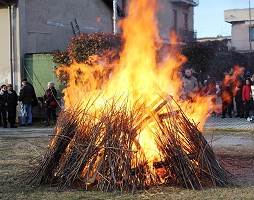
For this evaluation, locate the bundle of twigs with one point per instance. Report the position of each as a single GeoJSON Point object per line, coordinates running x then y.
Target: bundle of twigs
{"type": "Point", "coordinates": [188, 159]}
{"type": "Point", "coordinates": [92, 150]}
{"type": "Point", "coordinates": [96, 149]}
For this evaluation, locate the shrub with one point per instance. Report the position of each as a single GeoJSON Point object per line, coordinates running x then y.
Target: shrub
{"type": "Point", "coordinates": [85, 45]}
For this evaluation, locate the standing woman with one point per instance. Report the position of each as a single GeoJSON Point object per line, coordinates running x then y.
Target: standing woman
{"type": "Point", "coordinates": [3, 104]}
{"type": "Point", "coordinates": [247, 98]}
{"type": "Point", "coordinates": [50, 99]}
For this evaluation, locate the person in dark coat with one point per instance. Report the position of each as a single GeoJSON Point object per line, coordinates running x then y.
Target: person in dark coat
{"type": "Point", "coordinates": [238, 97]}
{"type": "Point", "coordinates": [27, 97]}
{"type": "Point", "coordinates": [1, 121]}
{"type": "Point", "coordinates": [227, 97]}
{"type": "Point", "coordinates": [210, 90]}
{"type": "Point", "coordinates": [50, 99]}
{"type": "Point", "coordinates": [3, 104]}
{"type": "Point", "coordinates": [12, 102]}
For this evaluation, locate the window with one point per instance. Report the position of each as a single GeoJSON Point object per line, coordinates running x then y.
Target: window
{"type": "Point", "coordinates": [186, 21]}
{"type": "Point", "coordinates": [251, 33]}
{"type": "Point", "coordinates": [124, 5]}
{"type": "Point", "coordinates": [175, 19]}
{"type": "Point", "coordinates": [121, 6]}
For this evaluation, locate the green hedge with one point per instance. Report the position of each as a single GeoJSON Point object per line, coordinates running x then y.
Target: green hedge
{"type": "Point", "coordinates": [206, 58]}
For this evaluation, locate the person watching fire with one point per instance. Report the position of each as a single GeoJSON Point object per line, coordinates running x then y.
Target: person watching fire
{"type": "Point", "coordinates": [3, 104]}
{"type": "Point", "coordinates": [28, 99]}
{"type": "Point", "coordinates": [12, 102]}
{"type": "Point", "coordinates": [189, 85]}
{"type": "Point", "coordinates": [247, 99]}
{"type": "Point", "coordinates": [50, 99]}
{"type": "Point", "coordinates": [227, 95]}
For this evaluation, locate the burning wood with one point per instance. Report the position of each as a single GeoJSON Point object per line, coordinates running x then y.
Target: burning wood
{"type": "Point", "coordinates": [121, 137]}
{"type": "Point", "coordinates": [98, 152]}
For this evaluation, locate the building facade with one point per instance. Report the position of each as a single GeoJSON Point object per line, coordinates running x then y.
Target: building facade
{"type": "Point", "coordinates": [34, 26]}
{"type": "Point", "coordinates": [242, 23]}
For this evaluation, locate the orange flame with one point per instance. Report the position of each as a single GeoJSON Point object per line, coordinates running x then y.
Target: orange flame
{"type": "Point", "coordinates": [231, 82]}
{"type": "Point", "coordinates": [137, 76]}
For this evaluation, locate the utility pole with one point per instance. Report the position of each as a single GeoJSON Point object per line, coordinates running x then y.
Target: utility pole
{"type": "Point", "coordinates": [250, 26]}
{"type": "Point", "coordinates": [114, 16]}
{"type": "Point", "coordinates": [11, 42]}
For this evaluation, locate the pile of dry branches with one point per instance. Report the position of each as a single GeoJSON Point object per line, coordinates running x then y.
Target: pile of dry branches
{"type": "Point", "coordinates": [96, 150]}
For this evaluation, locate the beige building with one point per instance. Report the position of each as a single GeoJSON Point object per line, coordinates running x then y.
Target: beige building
{"type": "Point", "coordinates": [35, 26]}
{"type": "Point", "coordinates": [242, 31]}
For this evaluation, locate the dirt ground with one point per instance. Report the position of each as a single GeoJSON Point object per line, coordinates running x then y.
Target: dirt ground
{"type": "Point", "coordinates": [240, 165]}
{"type": "Point", "coordinates": [235, 152]}
{"type": "Point", "coordinates": [239, 162]}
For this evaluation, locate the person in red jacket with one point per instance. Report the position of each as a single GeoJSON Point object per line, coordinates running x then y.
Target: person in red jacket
{"type": "Point", "coordinates": [247, 98]}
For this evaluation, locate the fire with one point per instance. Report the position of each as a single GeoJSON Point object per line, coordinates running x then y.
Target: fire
{"type": "Point", "coordinates": [138, 77]}
{"type": "Point", "coordinates": [231, 80]}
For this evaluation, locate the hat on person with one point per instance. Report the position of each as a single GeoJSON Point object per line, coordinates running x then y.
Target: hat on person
{"type": "Point", "coordinates": [247, 73]}
{"type": "Point", "coordinates": [51, 83]}
{"type": "Point", "coordinates": [24, 79]}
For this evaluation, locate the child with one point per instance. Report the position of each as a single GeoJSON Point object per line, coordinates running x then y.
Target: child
{"type": "Point", "coordinates": [247, 99]}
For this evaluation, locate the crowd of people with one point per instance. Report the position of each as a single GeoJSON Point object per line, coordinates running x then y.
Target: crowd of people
{"type": "Point", "coordinates": [236, 90]}
{"type": "Point", "coordinates": [233, 90]}
{"type": "Point", "coordinates": [9, 101]}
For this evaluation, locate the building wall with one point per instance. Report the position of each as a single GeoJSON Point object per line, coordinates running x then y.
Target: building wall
{"type": "Point", "coordinates": [240, 20]}
{"type": "Point", "coordinates": [48, 23]}
{"type": "Point", "coordinates": [5, 76]}
{"type": "Point", "coordinates": [166, 18]}
{"type": "Point", "coordinates": [10, 55]}
{"type": "Point", "coordinates": [238, 15]}
{"type": "Point", "coordinates": [43, 26]}
{"type": "Point", "coordinates": [240, 36]}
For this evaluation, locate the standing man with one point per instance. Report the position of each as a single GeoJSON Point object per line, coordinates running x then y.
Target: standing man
{"type": "Point", "coordinates": [239, 82]}
{"type": "Point", "coordinates": [227, 96]}
{"type": "Point", "coordinates": [27, 97]}
{"type": "Point", "coordinates": [190, 84]}
{"type": "Point", "coordinates": [12, 102]}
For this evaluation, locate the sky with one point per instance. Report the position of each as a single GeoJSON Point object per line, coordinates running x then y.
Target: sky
{"type": "Point", "coordinates": [209, 16]}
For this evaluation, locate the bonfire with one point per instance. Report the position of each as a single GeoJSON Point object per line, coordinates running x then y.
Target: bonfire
{"type": "Point", "coordinates": [126, 127]}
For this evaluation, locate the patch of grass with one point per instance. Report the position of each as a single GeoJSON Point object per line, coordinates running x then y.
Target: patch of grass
{"type": "Point", "coordinates": [19, 154]}
{"type": "Point", "coordinates": [230, 131]}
